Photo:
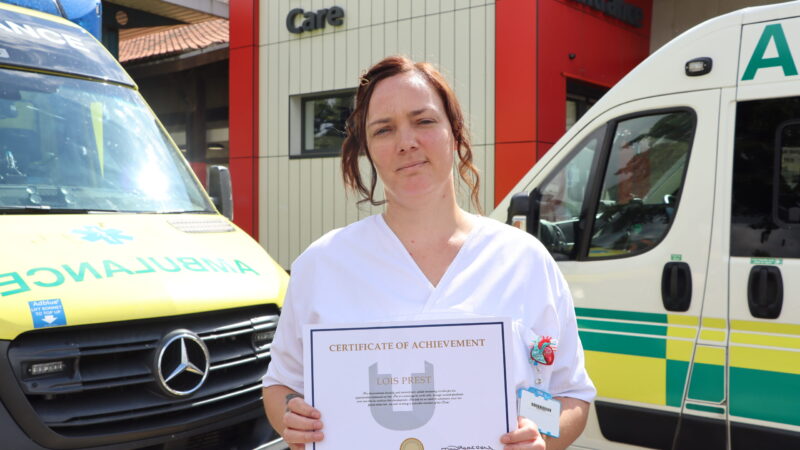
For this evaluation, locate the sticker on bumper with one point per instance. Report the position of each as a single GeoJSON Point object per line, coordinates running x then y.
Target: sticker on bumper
{"type": "Point", "coordinates": [47, 313]}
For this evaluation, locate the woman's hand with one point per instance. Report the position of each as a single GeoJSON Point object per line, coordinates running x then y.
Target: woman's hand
{"type": "Point", "coordinates": [302, 423]}
{"type": "Point", "coordinates": [525, 437]}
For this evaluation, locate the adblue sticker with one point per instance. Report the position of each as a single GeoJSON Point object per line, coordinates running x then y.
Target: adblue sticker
{"type": "Point", "coordinates": [47, 313]}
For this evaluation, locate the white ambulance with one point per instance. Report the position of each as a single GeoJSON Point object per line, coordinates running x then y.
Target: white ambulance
{"type": "Point", "coordinates": [673, 208]}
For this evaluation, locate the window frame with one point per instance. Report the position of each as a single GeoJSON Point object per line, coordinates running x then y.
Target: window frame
{"type": "Point", "coordinates": [602, 130]}
{"type": "Point", "coordinates": [591, 199]}
{"type": "Point", "coordinates": [585, 94]}
{"type": "Point", "coordinates": [298, 104]}
{"type": "Point", "coordinates": [776, 176]}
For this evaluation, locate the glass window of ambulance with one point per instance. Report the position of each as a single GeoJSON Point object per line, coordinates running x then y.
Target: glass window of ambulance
{"type": "Point", "coordinates": [765, 205]}
{"type": "Point", "coordinates": [562, 198]}
{"type": "Point", "coordinates": [642, 183]}
{"type": "Point", "coordinates": [71, 145]}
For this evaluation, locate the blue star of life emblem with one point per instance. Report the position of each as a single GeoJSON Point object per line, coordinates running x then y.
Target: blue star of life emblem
{"type": "Point", "coordinates": [93, 233]}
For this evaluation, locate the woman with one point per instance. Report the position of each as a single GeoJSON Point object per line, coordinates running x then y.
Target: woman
{"type": "Point", "coordinates": [424, 255]}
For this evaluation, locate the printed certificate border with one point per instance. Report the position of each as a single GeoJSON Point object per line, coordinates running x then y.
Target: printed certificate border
{"type": "Point", "coordinates": [431, 325]}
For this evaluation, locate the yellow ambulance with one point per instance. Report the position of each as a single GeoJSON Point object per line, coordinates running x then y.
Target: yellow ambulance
{"type": "Point", "coordinates": [673, 210]}
{"type": "Point", "coordinates": [132, 313]}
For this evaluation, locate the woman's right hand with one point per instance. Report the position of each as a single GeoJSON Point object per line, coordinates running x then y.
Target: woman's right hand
{"type": "Point", "coordinates": [302, 423]}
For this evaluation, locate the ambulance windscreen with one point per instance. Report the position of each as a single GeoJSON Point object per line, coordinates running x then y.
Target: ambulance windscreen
{"type": "Point", "coordinates": [69, 144]}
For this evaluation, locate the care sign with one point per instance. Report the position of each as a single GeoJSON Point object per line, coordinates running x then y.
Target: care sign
{"type": "Point", "coordinates": [47, 313]}
{"type": "Point", "coordinates": [313, 20]}
{"type": "Point", "coordinates": [769, 51]}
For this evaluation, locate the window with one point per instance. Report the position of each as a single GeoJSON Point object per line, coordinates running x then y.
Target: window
{"type": "Point", "coordinates": [323, 120]}
{"type": "Point", "coordinates": [642, 183]}
{"type": "Point", "coordinates": [765, 209]}
{"type": "Point", "coordinates": [580, 97]}
{"type": "Point", "coordinates": [562, 199]}
{"type": "Point", "coordinates": [630, 209]}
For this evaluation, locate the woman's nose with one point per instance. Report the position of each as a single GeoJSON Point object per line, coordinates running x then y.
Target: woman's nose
{"type": "Point", "coordinates": [407, 139]}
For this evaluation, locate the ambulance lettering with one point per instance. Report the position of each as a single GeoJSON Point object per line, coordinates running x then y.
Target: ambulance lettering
{"type": "Point", "coordinates": [772, 33]}
{"type": "Point", "coordinates": [47, 277]}
{"type": "Point", "coordinates": [25, 30]}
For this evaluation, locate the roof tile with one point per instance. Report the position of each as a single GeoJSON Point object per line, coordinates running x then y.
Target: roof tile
{"type": "Point", "coordinates": [174, 40]}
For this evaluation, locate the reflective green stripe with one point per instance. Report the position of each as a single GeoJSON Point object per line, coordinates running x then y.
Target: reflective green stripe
{"type": "Point", "coordinates": [626, 345]}
{"type": "Point", "coordinates": [765, 395]}
{"type": "Point", "coordinates": [622, 315]}
{"type": "Point", "coordinates": [657, 330]}
{"type": "Point", "coordinates": [705, 408]}
{"type": "Point", "coordinates": [708, 383]}
{"type": "Point", "coordinates": [676, 378]}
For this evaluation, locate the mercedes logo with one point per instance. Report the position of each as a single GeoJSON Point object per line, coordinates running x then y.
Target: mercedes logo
{"type": "Point", "coordinates": [181, 364]}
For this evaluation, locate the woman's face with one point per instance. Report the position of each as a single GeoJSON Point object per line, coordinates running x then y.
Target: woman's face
{"type": "Point", "coordinates": [409, 138]}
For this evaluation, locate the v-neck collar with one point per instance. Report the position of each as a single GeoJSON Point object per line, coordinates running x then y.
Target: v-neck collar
{"type": "Point", "coordinates": [448, 274]}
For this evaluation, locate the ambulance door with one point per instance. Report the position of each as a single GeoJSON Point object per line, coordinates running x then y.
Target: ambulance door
{"type": "Point", "coordinates": [764, 227]}
{"type": "Point", "coordinates": [625, 211]}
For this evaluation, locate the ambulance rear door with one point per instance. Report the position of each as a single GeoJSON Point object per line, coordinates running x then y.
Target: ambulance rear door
{"type": "Point", "coordinates": [762, 219]}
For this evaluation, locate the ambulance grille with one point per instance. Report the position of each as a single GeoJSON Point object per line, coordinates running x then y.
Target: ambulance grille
{"type": "Point", "coordinates": [109, 386]}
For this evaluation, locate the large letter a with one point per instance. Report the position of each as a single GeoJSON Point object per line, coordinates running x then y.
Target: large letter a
{"type": "Point", "coordinates": [784, 59]}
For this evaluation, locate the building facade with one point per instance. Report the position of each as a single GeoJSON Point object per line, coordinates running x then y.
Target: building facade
{"type": "Point", "coordinates": [524, 71]}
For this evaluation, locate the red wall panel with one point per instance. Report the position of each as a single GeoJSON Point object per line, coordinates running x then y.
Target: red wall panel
{"type": "Point", "coordinates": [244, 189]}
{"type": "Point", "coordinates": [605, 50]}
{"type": "Point", "coordinates": [512, 159]}
{"type": "Point", "coordinates": [534, 39]}
{"type": "Point", "coordinates": [515, 70]}
{"type": "Point", "coordinates": [515, 90]}
{"type": "Point", "coordinates": [243, 113]}
{"type": "Point", "coordinates": [243, 21]}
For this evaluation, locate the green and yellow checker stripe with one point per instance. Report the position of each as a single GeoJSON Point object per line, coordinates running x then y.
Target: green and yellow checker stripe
{"type": "Point", "coordinates": [645, 357]}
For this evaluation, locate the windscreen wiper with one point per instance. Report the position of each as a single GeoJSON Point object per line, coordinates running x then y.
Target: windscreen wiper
{"type": "Point", "coordinates": [44, 209]}
{"type": "Point", "coordinates": [198, 211]}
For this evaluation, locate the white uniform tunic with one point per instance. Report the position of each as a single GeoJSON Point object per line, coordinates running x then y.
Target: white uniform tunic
{"type": "Point", "coordinates": [363, 273]}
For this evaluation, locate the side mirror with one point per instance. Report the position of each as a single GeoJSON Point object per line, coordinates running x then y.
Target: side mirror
{"type": "Point", "coordinates": [523, 211]}
{"type": "Point", "coordinates": [220, 190]}
{"type": "Point", "coordinates": [518, 210]}
{"type": "Point", "coordinates": [534, 200]}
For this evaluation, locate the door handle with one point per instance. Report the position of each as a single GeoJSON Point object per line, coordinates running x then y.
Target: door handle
{"type": "Point", "coordinates": [765, 292]}
{"type": "Point", "coordinates": [676, 286]}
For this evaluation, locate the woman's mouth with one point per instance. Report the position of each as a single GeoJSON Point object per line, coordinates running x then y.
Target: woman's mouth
{"type": "Point", "coordinates": [411, 165]}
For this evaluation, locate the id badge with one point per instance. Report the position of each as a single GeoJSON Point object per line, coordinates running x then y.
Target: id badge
{"type": "Point", "coordinates": [541, 408]}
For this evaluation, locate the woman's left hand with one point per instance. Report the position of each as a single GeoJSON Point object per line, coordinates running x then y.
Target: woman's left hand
{"type": "Point", "coordinates": [525, 437]}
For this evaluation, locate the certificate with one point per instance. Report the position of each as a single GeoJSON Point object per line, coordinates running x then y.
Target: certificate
{"type": "Point", "coordinates": [422, 385]}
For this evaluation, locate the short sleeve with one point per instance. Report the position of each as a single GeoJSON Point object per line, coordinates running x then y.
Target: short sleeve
{"type": "Point", "coordinates": [286, 364]}
{"type": "Point", "coordinates": [569, 377]}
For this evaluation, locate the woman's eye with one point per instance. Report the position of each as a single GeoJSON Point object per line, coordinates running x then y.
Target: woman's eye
{"type": "Point", "coordinates": [380, 131]}
{"type": "Point", "coordinates": [426, 121]}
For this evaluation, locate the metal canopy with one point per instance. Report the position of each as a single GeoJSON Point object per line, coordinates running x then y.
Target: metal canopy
{"type": "Point", "coordinates": [187, 11]}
